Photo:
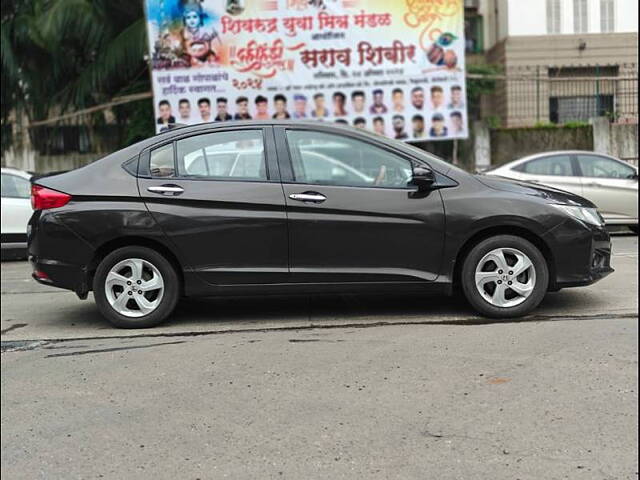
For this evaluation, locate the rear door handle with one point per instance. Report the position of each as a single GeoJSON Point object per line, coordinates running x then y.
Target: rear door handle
{"type": "Point", "coordinates": [313, 197]}
{"type": "Point", "coordinates": [166, 190]}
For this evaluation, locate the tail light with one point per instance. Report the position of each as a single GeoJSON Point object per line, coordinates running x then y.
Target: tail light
{"type": "Point", "coordinates": [43, 198]}
{"type": "Point", "coordinates": [40, 275]}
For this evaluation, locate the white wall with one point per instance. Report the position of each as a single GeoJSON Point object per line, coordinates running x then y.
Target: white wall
{"type": "Point", "coordinates": [529, 17]}
{"type": "Point", "coordinates": [627, 16]}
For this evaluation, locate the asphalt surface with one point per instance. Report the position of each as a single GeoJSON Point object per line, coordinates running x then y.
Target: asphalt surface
{"type": "Point", "coordinates": [323, 387]}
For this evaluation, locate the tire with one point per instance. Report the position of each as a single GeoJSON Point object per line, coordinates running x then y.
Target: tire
{"type": "Point", "coordinates": [136, 312]}
{"type": "Point", "coordinates": [503, 301]}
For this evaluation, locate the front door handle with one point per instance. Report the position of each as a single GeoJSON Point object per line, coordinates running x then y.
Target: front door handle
{"type": "Point", "coordinates": [313, 197]}
{"type": "Point", "coordinates": [166, 189]}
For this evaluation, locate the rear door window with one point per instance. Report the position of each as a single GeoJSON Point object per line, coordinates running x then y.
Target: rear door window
{"type": "Point", "coordinates": [233, 155]}
{"type": "Point", "coordinates": [161, 163]}
{"type": "Point", "coordinates": [555, 165]}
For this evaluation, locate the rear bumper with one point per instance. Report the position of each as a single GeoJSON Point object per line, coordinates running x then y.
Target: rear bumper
{"type": "Point", "coordinates": [59, 274]}
{"type": "Point", "coordinates": [58, 257]}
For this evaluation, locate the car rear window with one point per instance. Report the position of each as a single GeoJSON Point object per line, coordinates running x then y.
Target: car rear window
{"type": "Point", "coordinates": [555, 165]}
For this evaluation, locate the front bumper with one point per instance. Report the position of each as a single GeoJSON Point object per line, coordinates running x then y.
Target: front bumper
{"type": "Point", "coordinates": [582, 256]}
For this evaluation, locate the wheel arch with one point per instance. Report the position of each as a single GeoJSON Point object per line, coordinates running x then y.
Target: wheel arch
{"type": "Point", "coordinates": [493, 231]}
{"type": "Point", "coordinates": [134, 241]}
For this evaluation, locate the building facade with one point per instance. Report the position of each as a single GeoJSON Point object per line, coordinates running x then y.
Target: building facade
{"type": "Point", "coordinates": [563, 60]}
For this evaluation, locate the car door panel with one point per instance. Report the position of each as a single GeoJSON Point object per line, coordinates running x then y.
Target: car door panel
{"type": "Point", "coordinates": [360, 233]}
{"type": "Point", "coordinates": [364, 235]}
{"type": "Point", "coordinates": [616, 198]}
{"type": "Point", "coordinates": [230, 232]}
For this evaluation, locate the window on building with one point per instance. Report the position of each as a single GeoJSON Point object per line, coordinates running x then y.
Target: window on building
{"type": "Point", "coordinates": [580, 16]}
{"type": "Point", "coordinates": [473, 33]}
{"type": "Point", "coordinates": [554, 16]}
{"type": "Point", "coordinates": [579, 108]}
{"type": "Point", "coordinates": [591, 95]}
{"type": "Point", "coordinates": [607, 15]}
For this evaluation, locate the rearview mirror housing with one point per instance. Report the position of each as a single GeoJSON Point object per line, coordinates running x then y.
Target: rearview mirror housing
{"type": "Point", "coordinates": [423, 178]}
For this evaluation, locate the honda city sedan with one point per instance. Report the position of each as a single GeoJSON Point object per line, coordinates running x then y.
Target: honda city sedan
{"type": "Point", "coordinates": [283, 207]}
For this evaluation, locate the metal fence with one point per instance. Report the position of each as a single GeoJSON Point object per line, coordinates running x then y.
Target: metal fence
{"type": "Point", "coordinates": [541, 95]}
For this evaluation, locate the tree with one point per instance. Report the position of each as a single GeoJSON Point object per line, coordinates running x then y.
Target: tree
{"type": "Point", "coordinates": [63, 55]}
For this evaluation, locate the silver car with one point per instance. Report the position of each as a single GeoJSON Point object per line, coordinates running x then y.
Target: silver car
{"type": "Point", "coordinates": [608, 182]}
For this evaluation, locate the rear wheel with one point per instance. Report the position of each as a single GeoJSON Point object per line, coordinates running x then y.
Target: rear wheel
{"type": "Point", "coordinates": [135, 287]}
{"type": "Point", "coordinates": [505, 276]}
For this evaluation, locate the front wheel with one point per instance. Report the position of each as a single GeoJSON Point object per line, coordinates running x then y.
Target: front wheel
{"type": "Point", "coordinates": [135, 287]}
{"type": "Point", "coordinates": [505, 276]}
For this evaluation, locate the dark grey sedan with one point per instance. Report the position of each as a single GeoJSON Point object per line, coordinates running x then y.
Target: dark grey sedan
{"type": "Point", "coordinates": [294, 207]}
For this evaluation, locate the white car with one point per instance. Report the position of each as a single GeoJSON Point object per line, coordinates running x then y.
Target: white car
{"type": "Point", "coordinates": [608, 182]}
{"type": "Point", "coordinates": [16, 211]}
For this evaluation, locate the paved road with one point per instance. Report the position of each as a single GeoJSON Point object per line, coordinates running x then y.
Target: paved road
{"type": "Point", "coordinates": [316, 388]}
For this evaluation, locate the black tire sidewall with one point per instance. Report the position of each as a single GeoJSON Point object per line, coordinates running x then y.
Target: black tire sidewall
{"type": "Point", "coordinates": [504, 241]}
{"type": "Point", "coordinates": [169, 298]}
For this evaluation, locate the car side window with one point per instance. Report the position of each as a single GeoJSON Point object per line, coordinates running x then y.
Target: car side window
{"type": "Point", "coordinates": [15, 187]}
{"type": "Point", "coordinates": [161, 163]}
{"type": "Point", "coordinates": [233, 155]}
{"type": "Point", "coordinates": [327, 159]}
{"type": "Point", "coordinates": [555, 165]}
{"type": "Point", "coordinates": [602, 167]}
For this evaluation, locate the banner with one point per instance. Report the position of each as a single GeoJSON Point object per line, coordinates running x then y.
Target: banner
{"type": "Point", "coordinates": [392, 66]}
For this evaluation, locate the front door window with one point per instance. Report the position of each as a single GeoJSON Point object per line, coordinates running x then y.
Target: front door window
{"type": "Point", "coordinates": [333, 160]}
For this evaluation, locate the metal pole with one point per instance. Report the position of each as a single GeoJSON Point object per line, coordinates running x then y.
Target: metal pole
{"type": "Point", "coordinates": [538, 93]}
{"type": "Point", "coordinates": [597, 90]}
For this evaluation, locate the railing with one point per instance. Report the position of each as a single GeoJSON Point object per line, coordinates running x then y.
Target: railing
{"type": "Point", "coordinates": [540, 95]}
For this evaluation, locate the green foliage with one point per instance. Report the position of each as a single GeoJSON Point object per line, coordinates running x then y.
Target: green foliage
{"type": "Point", "coordinates": [480, 86]}
{"type": "Point", "coordinates": [545, 125]}
{"type": "Point", "coordinates": [549, 126]}
{"type": "Point", "coordinates": [64, 55]}
{"type": "Point", "coordinates": [493, 121]}
{"type": "Point", "coordinates": [575, 124]}
{"type": "Point", "coordinates": [140, 119]}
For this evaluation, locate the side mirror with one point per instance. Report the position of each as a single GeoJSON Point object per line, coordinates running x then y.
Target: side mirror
{"type": "Point", "coordinates": [423, 178]}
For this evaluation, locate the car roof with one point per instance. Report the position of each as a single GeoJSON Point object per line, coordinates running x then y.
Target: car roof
{"type": "Point", "coordinates": [534, 156]}
{"type": "Point", "coordinates": [312, 124]}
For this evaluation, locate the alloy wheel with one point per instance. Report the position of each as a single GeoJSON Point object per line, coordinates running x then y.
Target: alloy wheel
{"type": "Point", "coordinates": [134, 287]}
{"type": "Point", "coordinates": [505, 277]}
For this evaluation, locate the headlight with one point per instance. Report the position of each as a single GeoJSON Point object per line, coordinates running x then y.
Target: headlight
{"type": "Point", "coordinates": [584, 214]}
